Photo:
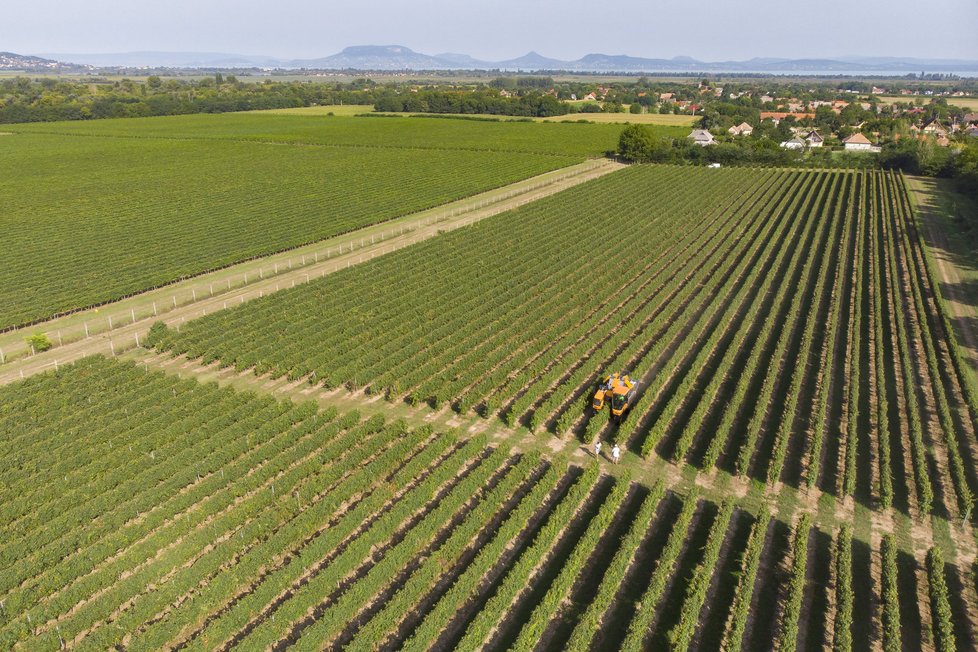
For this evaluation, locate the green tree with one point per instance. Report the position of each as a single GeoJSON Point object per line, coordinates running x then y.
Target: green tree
{"type": "Point", "coordinates": [638, 143]}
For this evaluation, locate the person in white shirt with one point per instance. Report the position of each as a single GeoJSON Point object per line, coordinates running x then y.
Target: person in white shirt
{"type": "Point", "coordinates": [615, 453]}
{"type": "Point", "coordinates": [597, 448]}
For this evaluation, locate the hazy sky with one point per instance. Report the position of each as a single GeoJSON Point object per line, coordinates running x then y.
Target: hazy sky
{"type": "Point", "coordinates": [501, 29]}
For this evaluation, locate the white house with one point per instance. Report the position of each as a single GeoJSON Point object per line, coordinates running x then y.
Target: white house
{"type": "Point", "coordinates": [814, 139]}
{"type": "Point", "coordinates": [743, 129]}
{"type": "Point", "coordinates": [794, 143]}
{"type": "Point", "coordinates": [701, 137]}
{"type": "Point", "coordinates": [859, 143]}
{"type": "Point", "coordinates": [934, 128]}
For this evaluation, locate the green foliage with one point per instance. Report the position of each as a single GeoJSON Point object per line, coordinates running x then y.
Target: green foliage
{"type": "Point", "coordinates": [521, 572]}
{"type": "Point", "coordinates": [844, 596]}
{"type": "Point", "coordinates": [549, 606]}
{"type": "Point", "coordinates": [740, 611]}
{"type": "Point", "coordinates": [639, 143]}
{"type": "Point", "coordinates": [681, 635]}
{"type": "Point", "coordinates": [891, 597]}
{"type": "Point", "coordinates": [943, 617]}
{"type": "Point", "coordinates": [788, 637]}
{"type": "Point", "coordinates": [158, 335]}
{"type": "Point", "coordinates": [38, 342]}
{"type": "Point", "coordinates": [664, 569]}
{"type": "Point", "coordinates": [589, 624]}
{"type": "Point", "coordinates": [47, 100]}
{"type": "Point", "coordinates": [529, 104]}
{"type": "Point", "coordinates": [238, 197]}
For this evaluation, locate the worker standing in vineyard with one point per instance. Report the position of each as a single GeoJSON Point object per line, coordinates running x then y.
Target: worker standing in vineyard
{"type": "Point", "coordinates": [597, 448]}
{"type": "Point", "coordinates": [615, 453]}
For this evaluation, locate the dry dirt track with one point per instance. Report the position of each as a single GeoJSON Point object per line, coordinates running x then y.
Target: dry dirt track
{"type": "Point", "coordinates": [425, 226]}
{"type": "Point", "coordinates": [962, 309]}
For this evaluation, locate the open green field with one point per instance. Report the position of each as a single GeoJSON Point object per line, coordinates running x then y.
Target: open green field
{"type": "Point", "coordinates": [142, 511]}
{"type": "Point", "coordinates": [348, 110]}
{"type": "Point", "coordinates": [655, 119]}
{"type": "Point", "coordinates": [416, 133]}
{"type": "Point", "coordinates": [964, 102]}
{"type": "Point", "coordinates": [735, 298]}
{"type": "Point", "coordinates": [113, 207]}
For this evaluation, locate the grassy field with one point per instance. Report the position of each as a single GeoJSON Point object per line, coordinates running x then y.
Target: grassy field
{"type": "Point", "coordinates": [148, 512]}
{"type": "Point", "coordinates": [655, 119]}
{"type": "Point", "coordinates": [120, 206]}
{"type": "Point", "coordinates": [415, 133]}
{"type": "Point", "coordinates": [347, 110]}
{"type": "Point", "coordinates": [658, 119]}
{"type": "Point", "coordinates": [964, 102]}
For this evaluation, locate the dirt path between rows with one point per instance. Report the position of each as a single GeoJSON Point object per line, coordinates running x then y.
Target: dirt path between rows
{"type": "Point", "coordinates": [963, 311]}
{"type": "Point", "coordinates": [409, 231]}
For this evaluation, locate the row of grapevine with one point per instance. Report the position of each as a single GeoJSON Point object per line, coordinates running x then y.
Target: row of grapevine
{"type": "Point", "coordinates": [359, 533]}
{"type": "Point", "coordinates": [944, 637]}
{"type": "Point", "coordinates": [736, 369]}
{"type": "Point", "coordinates": [844, 597]}
{"type": "Point", "coordinates": [891, 596]}
{"type": "Point", "coordinates": [130, 232]}
{"type": "Point", "coordinates": [788, 634]}
{"type": "Point", "coordinates": [953, 431]}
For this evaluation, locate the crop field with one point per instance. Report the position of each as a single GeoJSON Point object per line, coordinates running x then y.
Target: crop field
{"type": "Point", "coordinates": [142, 511]}
{"type": "Point", "coordinates": [115, 207]}
{"type": "Point", "coordinates": [782, 324]}
{"type": "Point", "coordinates": [437, 133]}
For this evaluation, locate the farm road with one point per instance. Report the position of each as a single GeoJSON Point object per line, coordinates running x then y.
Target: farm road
{"type": "Point", "coordinates": [405, 232]}
{"type": "Point", "coordinates": [963, 310]}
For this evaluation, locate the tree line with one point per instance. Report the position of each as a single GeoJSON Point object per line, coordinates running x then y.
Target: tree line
{"type": "Point", "coordinates": [42, 100]}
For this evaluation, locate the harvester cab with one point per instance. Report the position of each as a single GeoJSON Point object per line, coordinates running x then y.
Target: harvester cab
{"type": "Point", "coordinates": [623, 396]}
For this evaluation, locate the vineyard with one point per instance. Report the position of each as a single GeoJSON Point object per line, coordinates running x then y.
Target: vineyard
{"type": "Point", "coordinates": [248, 186]}
{"type": "Point", "coordinates": [576, 140]}
{"type": "Point", "coordinates": [143, 511]}
{"type": "Point", "coordinates": [783, 326]}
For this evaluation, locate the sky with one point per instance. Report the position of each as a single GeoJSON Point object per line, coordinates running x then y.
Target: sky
{"type": "Point", "coordinates": [499, 29]}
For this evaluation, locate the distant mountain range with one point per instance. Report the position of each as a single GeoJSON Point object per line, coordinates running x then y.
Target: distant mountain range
{"type": "Point", "coordinates": [397, 57]}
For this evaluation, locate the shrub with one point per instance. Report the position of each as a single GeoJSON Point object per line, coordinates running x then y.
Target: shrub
{"type": "Point", "coordinates": [38, 342]}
